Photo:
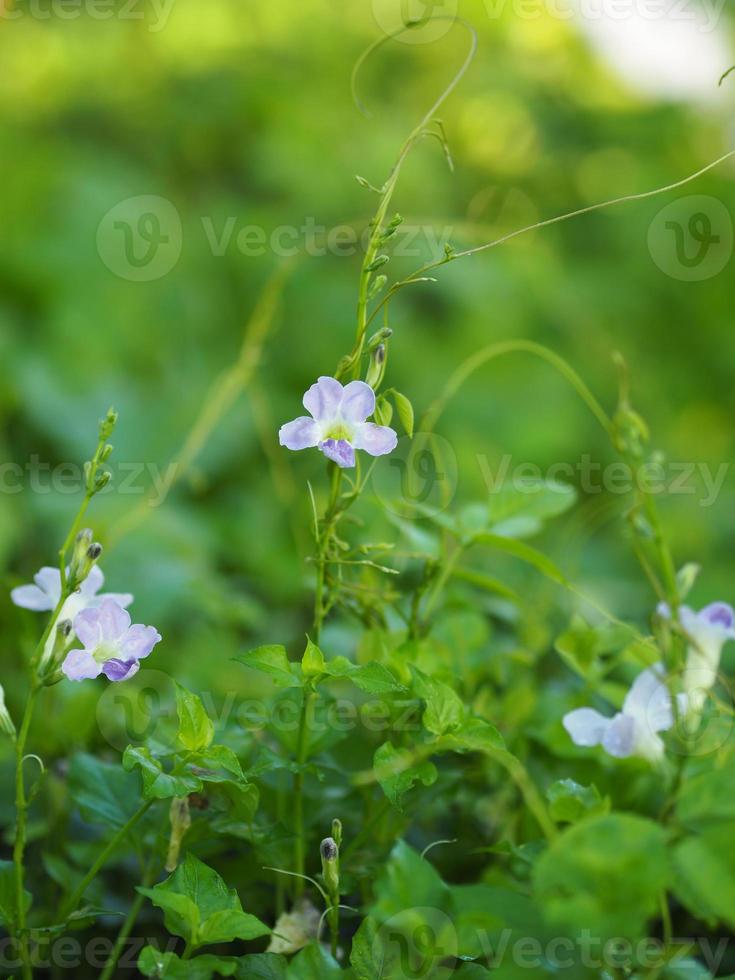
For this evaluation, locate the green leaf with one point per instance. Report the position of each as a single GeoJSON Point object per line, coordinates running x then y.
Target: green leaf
{"type": "Point", "coordinates": [262, 966]}
{"type": "Point", "coordinates": [408, 881]}
{"type": "Point", "coordinates": [444, 711]}
{"type": "Point", "coordinates": [707, 799]}
{"type": "Point", "coordinates": [158, 784]}
{"type": "Point", "coordinates": [605, 874]}
{"type": "Point", "coordinates": [517, 510]}
{"type": "Point", "coordinates": [581, 646]}
{"type": "Point", "coordinates": [228, 925]}
{"type": "Point", "coordinates": [218, 763]}
{"type": "Point", "coordinates": [198, 906]}
{"type": "Point", "coordinates": [312, 663]}
{"type": "Point", "coordinates": [372, 958]}
{"type": "Point", "coordinates": [517, 549]}
{"type": "Point", "coordinates": [272, 660]}
{"type": "Point", "coordinates": [196, 731]}
{"type": "Point", "coordinates": [396, 773]}
{"type": "Point", "coordinates": [104, 793]}
{"type": "Point", "coordinates": [704, 868]}
{"type": "Point", "coordinates": [373, 678]}
{"type": "Point", "coordinates": [476, 735]}
{"type": "Point", "coordinates": [405, 412]}
{"type": "Point", "coordinates": [153, 963]}
{"type": "Point", "coordinates": [569, 801]}
{"type": "Point", "coordinates": [314, 963]}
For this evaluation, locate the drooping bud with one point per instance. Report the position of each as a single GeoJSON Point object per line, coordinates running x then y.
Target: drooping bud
{"type": "Point", "coordinates": [180, 818]}
{"type": "Point", "coordinates": [378, 338]}
{"type": "Point", "coordinates": [329, 851]}
{"type": "Point", "coordinates": [6, 722]}
{"type": "Point", "coordinates": [377, 367]}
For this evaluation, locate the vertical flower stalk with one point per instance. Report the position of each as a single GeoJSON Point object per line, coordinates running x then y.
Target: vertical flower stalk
{"type": "Point", "coordinates": [329, 853]}
{"type": "Point", "coordinates": [111, 646]}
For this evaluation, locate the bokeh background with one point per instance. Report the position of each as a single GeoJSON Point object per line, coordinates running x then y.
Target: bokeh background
{"type": "Point", "coordinates": [239, 114]}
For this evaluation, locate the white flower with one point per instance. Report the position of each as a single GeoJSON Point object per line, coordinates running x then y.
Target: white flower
{"type": "Point", "coordinates": [634, 730]}
{"type": "Point", "coordinates": [45, 594]}
{"type": "Point", "coordinates": [708, 630]}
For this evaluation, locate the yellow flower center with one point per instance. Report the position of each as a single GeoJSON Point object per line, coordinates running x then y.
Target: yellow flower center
{"type": "Point", "coordinates": [339, 432]}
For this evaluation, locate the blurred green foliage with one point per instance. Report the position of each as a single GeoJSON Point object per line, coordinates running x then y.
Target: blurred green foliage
{"type": "Point", "coordinates": [241, 112]}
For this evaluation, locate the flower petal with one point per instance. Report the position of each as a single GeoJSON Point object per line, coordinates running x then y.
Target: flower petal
{"type": "Point", "coordinates": [123, 599]}
{"type": "Point", "coordinates": [358, 402]}
{"type": "Point", "coordinates": [375, 439]}
{"type": "Point", "coordinates": [649, 702]}
{"type": "Point", "coordinates": [619, 740]}
{"type": "Point", "coordinates": [138, 642]}
{"type": "Point", "coordinates": [31, 597]}
{"type": "Point", "coordinates": [87, 628]}
{"type": "Point", "coordinates": [114, 621]}
{"type": "Point", "coordinates": [719, 615]}
{"type": "Point", "coordinates": [323, 398]}
{"type": "Point", "coordinates": [302, 433]}
{"type": "Point", "coordinates": [93, 582]}
{"type": "Point", "coordinates": [120, 670]}
{"type": "Point", "coordinates": [80, 665]}
{"type": "Point", "coordinates": [48, 579]}
{"type": "Point", "coordinates": [339, 451]}
{"type": "Point", "coordinates": [586, 726]}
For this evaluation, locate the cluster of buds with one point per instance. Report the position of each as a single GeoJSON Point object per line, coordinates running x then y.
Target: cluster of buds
{"type": "Point", "coordinates": [86, 554]}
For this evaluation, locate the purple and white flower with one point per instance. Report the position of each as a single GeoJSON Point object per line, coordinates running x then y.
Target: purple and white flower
{"type": "Point", "coordinates": [708, 630]}
{"type": "Point", "coordinates": [634, 730]}
{"type": "Point", "coordinates": [44, 595]}
{"type": "Point", "coordinates": [338, 424]}
{"type": "Point", "coordinates": [111, 645]}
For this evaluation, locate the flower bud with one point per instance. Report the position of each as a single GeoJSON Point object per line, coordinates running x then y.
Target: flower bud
{"type": "Point", "coordinates": [378, 337]}
{"type": "Point", "coordinates": [337, 831]}
{"type": "Point", "coordinates": [55, 648]}
{"type": "Point", "coordinates": [108, 424]}
{"type": "Point", "coordinates": [180, 818]}
{"type": "Point", "coordinates": [86, 552]}
{"type": "Point", "coordinates": [377, 367]}
{"type": "Point", "coordinates": [6, 722]}
{"type": "Point", "coordinates": [330, 864]}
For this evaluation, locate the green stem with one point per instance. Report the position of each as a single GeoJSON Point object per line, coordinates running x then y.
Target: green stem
{"type": "Point", "coordinates": [334, 923]}
{"type": "Point", "coordinates": [324, 544]}
{"type": "Point", "coordinates": [72, 534]}
{"type": "Point", "coordinates": [302, 748]}
{"type": "Point", "coordinates": [127, 926]}
{"type": "Point", "coordinates": [21, 808]}
{"type": "Point", "coordinates": [73, 901]}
